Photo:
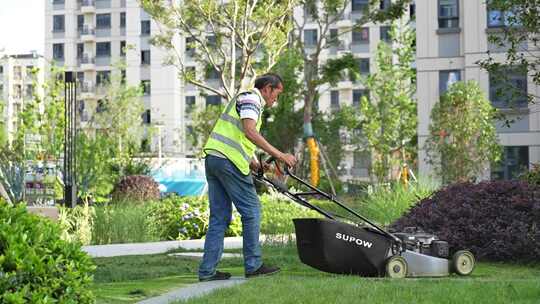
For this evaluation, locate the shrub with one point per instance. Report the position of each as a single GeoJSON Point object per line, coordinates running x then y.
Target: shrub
{"type": "Point", "coordinates": [496, 220]}
{"type": "Point", "coordinates": [533, 176]}
{"type": "Point", "coordinates": [122, 223]}
{"type": "Point", "coordinates": [136, 188]}
{"type": "Point", "coordinates": [180, 218]}
{"type": "Point", "coordinates": [77, 223]}
{"type": "Point", "coordinates": [36, 265]}
{"type": "Point", "coordinates": [384, 205]}
{"type": "Point", "coordinates": [278, 213]}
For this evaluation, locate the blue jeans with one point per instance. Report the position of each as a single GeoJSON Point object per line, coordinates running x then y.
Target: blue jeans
{"type": "Point", "coordinates": [227, 185]}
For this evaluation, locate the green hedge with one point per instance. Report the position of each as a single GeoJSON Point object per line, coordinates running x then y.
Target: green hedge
{"type": "Point", "coordinates": [36, 265]}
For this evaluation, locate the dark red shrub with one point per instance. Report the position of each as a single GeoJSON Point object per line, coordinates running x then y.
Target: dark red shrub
{"type": "Point", "coordinates": [136, 188]}
{"type": "Point", "coordinates": [498, 220]}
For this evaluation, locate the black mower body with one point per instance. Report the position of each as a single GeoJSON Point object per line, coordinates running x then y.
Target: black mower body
{"type": "Point", "coordinates": [338, 247]}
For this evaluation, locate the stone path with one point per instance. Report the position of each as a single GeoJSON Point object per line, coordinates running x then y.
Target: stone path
{"type": "Point", "coordinates": [194, 290]}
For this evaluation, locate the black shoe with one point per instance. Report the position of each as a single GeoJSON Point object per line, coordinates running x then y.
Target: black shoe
{"type": "Point", "coordinates": [263, 271]}
{"type": "Point", "coordinates": [217, 276]}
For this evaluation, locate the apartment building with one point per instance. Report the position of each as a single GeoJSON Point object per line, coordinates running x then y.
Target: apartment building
{"type": "Point", "coordinates": [452, 35]}
{"type": "Point", "coordinates": [21, 76]}
{"type": "Point", "coordinates": [362, 43]}
{"type": "Point", "coordinates": [90, 38]}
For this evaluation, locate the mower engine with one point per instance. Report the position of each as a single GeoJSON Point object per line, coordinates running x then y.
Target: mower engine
{"type": "Point", "coordinates": [419, 241]}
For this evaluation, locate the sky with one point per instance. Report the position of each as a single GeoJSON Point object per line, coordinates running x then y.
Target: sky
{"type": "Point", "coordinates": [22, 25]}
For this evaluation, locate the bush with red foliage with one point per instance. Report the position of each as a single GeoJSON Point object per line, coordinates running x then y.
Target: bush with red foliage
{"type": "Point", "coordinates": [496, 220]}
{"type": "Point", "coordinates": [136, 188]}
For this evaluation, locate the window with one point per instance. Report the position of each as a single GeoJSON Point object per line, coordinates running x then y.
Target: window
{"type": "Point", "coordinates": [508, 88]}
{"type": "Point", "coordinates": [359, 5]}
{"type": "Point", "coordinates": [58, 1]}
{"type": "Point", "coordinates": [334, 100]}
{"type": "Point", "coordinates": [103, 77]}
{"type": "Point", "coordinates": [514, 162]}
{"type": "Point", "coordinates": [412, 11]}
{"type": "Point", "coordinates": [122, 19]}
{"type": "Point", "coordinates": [123, 48]}
{"type": "Point", "coordinates": [211, 40]}
{"type": "Point", "coordinates": [146, 118]}
{"type": "Point", "coordinates": [448, 14]}
{"type": "Point", "coordinates": [145, 57]}
{"type": "Point", "coordinates": [213, 100]}
{"type": "Point", "coordinates": [333, 39]}
{"type": "Point", "coordinates": [1, 69]}
{"type": "Point", "coordinates": [80, 23]}
{"type": "Point", "coordinates": [103, 49]}
{"type": "Point", "coordinates": [103, 21]}
{"type": "Point", "coordinates": [123, 76]}
{"type": "Point", "coordinates": [385, 5]}
{"type": "Point", "coordinates": [447, 78]}
{"type": "Point", "coordinates": [190, 48]}
{"type": "Point", "coordinates": [146, 86]}
{"type": "Point", "coordinates": [58, 23]}
{"type": "Point", "coordinates": [1, 90]}
{"type": "Point", "coordinates": [80, 50]}
{"type": "Point", "coordinates": [101, 106]}
{"type": "Point", "coordinates": [360, 35]}
{"type": "Point", "coordinates": [385, 34]}
{"type": "Point", "coordinates": [357, 97]}
{"type": "Point", "coordinates": [29, 91]}
{"type": "Point", "coordinates": [80, 77]}
{"type": "Point", "coordinates": [145, 27]}
{"type": "Point", "coordinates": [212, 73]}
{"type": "Point", "coordinates": [363, 65]}
{"type": "Point", "coordinates": [58, 51]}
{"type": "Point", "coordinates": [190, 104]}
{"type": "Point", "coordinates": [498, 18]}
{"type": "Point", "coordinates": [310, 38]}
{"type": "Point", "coordinates": [361, 159]}
{"type": "Point", "coordinates": [29, 69]}
{"type": "Point", "coordinates": [17, 91]}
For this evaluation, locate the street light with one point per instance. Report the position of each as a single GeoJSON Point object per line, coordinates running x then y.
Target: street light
{"type": "Point", "coordinates": [70, 136]}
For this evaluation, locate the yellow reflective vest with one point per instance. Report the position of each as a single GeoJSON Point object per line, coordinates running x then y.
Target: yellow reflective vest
{"type": "Point", "coordinates": [229, 139]}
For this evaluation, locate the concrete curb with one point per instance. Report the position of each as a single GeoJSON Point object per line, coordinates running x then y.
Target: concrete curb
{"type": "Point", "coordinates": [194, 290]}
{"type": "Point", "coordinates": [153, 247]}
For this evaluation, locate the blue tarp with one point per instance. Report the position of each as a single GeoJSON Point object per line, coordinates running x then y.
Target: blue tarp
{"type": "Point", "coordinates": [185, 180]}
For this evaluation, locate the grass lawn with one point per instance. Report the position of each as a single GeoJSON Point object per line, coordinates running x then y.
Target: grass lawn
{"type": "Point", "coordinates": [129, 279]}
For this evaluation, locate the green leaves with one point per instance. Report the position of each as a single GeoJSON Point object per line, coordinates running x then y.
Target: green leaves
{"type": "Point", "coordinates": [463, 140]}
{"type": "Point", "coordinates": [36, 266]}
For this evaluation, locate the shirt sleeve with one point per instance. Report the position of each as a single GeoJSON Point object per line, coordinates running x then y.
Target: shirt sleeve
{"type": "Point", "coordinates": [249, 106]}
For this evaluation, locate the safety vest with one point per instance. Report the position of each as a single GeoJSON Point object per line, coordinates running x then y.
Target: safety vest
{"type": "Point", "coordinates": [229, 139]}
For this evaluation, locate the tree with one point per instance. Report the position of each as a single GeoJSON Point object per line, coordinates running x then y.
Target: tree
{"type": "Point", "coordinates": [234, 40]}
{"type": "Point", "coordinates": [203, 123]}
{"type": "Point", "coordinates": [514, 23]}
{"type": "Point", "coordinates": [325, 14]}
{"type": "Point", "coordinates": [463, 139]}
{"type": "Point", "coordinates": [3, 130]}
{"type": "Point", "coordinates": [112, 138]}
{"type": "Point", "coordinates": [389, 117]}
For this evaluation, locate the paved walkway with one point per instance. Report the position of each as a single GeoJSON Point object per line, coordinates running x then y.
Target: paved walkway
{"type": "Point", "coordinates": [153, 247]}
{"type": "Point", "coordinates": [194, 290]}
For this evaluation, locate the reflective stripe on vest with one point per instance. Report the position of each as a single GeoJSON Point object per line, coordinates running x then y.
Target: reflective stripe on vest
{"type": "Point", "coordinates": [229, 139]}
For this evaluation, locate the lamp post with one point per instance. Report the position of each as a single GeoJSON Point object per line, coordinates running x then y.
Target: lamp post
{"type": "Point", "coordinates": [70, 136]}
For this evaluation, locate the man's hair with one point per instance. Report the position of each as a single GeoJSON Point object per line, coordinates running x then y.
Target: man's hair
{"type": "Point", "coordinates": [271, 79]}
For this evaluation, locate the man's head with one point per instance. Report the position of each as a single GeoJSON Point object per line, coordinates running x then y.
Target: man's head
{"type": "Point", "coordinates": [270, 85]}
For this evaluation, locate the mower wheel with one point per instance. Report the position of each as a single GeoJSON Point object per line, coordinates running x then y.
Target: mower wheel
{"type": "Point", "coordinates": [396, 267]}
{"type": "Point", "coordinates": [463, 262]}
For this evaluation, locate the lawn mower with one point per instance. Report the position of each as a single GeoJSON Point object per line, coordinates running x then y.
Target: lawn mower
{"type": "Point", "coordinates": [342, 245]}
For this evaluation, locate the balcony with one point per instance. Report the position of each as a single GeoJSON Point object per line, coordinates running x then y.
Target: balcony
{"type": "Point", "coordinates": [88, 90]}
{"type": "Point", "coordinates": [88, 7]}
{"type": "Point", "coordinates": [88, 33]}
{"type": "Point", "coordinates": [88, 62]}
{"type": "Point", "coordinates": [345, 20]}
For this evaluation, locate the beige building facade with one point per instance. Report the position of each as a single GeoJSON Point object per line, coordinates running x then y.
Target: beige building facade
{"type": "Point", "coordinates": [452, 36]}
{"type": "Point", "coordinates": [21, 76]}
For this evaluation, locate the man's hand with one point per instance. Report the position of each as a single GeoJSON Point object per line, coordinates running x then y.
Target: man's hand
{"type": "Point", "coordinates": [255, 166]}
{"type": "Point", "coordinates": [289, 159]}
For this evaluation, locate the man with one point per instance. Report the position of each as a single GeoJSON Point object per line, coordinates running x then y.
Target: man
{"type": "Point", "coordinates": [229, 155]}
